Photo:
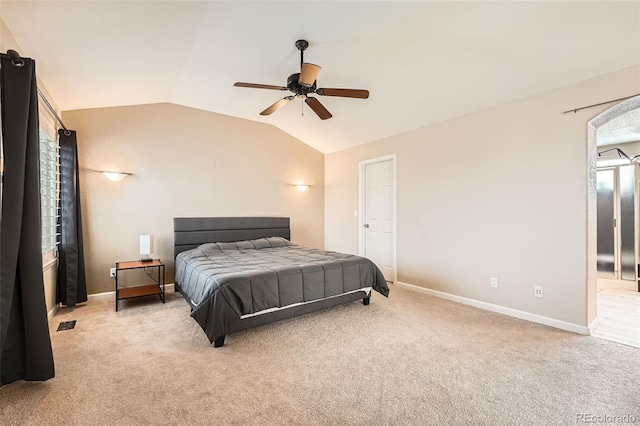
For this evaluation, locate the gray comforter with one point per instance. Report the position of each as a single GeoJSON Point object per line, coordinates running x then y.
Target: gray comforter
{"type": "Point", "coordinates": [227, 280]}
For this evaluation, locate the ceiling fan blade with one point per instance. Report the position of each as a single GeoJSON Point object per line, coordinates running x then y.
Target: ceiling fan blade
{"type": "Point", "coordinates": [308, 74]}
{"type": "Point", "coordinates": [273, 108]}
{"type": "Point", "coordinates": [318, 108]}
{"type": "Point", "coordinates": [259, 86]}
{"type": "Point", "coordinates": [344, 93]}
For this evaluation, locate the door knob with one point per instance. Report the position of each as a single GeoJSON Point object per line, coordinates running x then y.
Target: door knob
{"type": "Point", "coordinates": [366, 225]}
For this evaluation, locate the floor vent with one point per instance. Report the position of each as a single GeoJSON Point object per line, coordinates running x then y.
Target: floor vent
{"type": "Point", "coordinates": [67, 325]}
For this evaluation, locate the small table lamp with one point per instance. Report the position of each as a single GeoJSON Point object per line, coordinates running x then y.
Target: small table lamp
{"type": "Point", "coordinates": [146, 247]}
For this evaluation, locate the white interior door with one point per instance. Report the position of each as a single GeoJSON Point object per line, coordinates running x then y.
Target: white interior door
{"type": "Point", "coordinates": [378, 211]}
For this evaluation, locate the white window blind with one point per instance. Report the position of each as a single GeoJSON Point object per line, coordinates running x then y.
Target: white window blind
{"type": "Point", "coordinates": [49, 191]}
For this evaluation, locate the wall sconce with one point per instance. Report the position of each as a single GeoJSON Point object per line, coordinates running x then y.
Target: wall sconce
{"type": "Point", "coordinates": [301, 187]}
{"type": "Point", "coordinates": [115, 176]}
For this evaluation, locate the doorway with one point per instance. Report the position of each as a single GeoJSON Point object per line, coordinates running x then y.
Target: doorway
{"type": "Point", "coordinates": [613, 290]}
{"type": "Point", "coordinates": [377, 218]}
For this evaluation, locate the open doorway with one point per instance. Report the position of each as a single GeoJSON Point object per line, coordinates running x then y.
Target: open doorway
{"type": "Point", "coordinates": [617, 176]}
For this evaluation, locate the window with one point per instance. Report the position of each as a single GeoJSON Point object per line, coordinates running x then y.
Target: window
{"type": "Point", "coordinates": [49, 192]}
{"type": "Point", "coordinates": [49, 185]}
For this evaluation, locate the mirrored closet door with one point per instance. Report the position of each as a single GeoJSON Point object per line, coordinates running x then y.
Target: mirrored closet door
{"type": "Point", "coordinates": [616, 187]}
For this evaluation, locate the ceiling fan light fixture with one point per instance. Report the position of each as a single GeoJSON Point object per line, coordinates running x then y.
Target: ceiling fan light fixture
{"type": "Point", "coordinates": [308, 74]}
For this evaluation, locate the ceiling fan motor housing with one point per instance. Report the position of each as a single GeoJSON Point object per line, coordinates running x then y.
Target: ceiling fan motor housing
{"type": "Point", "coordinates": [294, 86]}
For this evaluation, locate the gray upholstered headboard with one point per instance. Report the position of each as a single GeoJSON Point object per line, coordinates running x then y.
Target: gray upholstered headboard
{"type": "Point", "coordinates": [190, 232]}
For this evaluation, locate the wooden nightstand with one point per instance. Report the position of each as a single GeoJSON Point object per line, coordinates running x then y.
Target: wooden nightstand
{"type": "Point", "coordinates": [143, 290]}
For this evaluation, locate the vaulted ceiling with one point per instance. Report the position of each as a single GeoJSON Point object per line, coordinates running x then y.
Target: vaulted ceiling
{"type": "Point", "coordinates": [422, 62]}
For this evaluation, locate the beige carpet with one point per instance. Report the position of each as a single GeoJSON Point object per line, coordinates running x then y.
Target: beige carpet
{"type": "Point", "coordinates": [412, 359]}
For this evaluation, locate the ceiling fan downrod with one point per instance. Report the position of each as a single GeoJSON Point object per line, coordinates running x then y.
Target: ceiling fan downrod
{"type": "Point", "coordinates": [302, 46]}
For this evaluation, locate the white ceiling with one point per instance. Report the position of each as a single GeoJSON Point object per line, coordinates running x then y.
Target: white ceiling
{"type": "Point", "coordinates": [422, 62]}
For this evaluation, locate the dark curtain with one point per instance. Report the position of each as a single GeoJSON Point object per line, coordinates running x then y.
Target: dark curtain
{"type": "Point", "coordinates": [72, 285]}
{"type": "Point", "coordinates": [25, 345]}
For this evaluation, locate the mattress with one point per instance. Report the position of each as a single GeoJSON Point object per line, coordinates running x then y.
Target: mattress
{"type": "Point", "coordinates": [365, 291]}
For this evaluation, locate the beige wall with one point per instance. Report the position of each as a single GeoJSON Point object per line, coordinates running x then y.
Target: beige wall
{"type": "Point", "coordinates": [185, 163]}
{"type": "Point", "coordinates": [497, 193]}
{"type": "Point", "coordinates": [50, 271]}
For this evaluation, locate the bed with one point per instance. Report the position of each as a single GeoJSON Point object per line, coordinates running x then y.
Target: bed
{"type": "Point", "coordinates": [242, 272]}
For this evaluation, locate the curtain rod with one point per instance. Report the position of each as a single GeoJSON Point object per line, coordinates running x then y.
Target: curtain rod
{"type": "Point", "coordinates": [52, 110]}
{"type": "Point", "coordinates": [601, 103]}
{"type": "Point", "coordinates": [17, 61]}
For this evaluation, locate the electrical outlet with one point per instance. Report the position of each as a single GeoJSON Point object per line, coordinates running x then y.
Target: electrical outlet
{"type": "Point", "coordinates": [494, 282]}
{"type": "Point", "coordinates": [538, 291]}
{"type": "Point", "coordinates": [112, 272]}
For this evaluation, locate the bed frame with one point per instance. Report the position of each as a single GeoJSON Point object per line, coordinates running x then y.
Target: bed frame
{"type": "Point", "coordinates": [191, 232]}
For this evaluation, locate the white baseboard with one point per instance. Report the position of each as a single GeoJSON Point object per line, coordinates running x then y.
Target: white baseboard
{"type": "Point", "coordinates": [551, 322]}
{"type": "Point", "coordinates": [112, 294]}
{"type": "Point", "coordinates": [98, 296]}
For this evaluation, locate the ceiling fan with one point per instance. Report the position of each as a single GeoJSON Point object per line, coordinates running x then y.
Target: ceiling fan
{"type": "Point", "coordinates": [303, 84]}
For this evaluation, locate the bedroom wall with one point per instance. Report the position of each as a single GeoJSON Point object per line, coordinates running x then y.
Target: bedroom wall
{"type": "Point", "coordinates": [185, 163]}
{"type": "Point", "coordinates": [497, 193]}
{"type": "Point", "coordinates": [50, 269]}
